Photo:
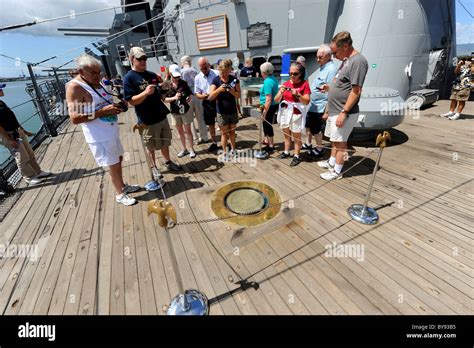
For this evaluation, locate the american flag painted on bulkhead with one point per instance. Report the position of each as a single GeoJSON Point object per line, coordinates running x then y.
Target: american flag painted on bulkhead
{"type": "Point", "coordinates": [211, 32]}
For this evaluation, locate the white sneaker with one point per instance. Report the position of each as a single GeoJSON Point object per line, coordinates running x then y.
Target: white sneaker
{"type": "Point", "coordinates": [192, 154]}
{"type": "Point", "coordinates": [182, 153]}
{"type": "Point", "coordinates": [33, 181]}
{"type": "Point", "coordinates": [125, 200]}
{"type": "Point", "coordinates": [456, 116]}
{"type": "Point", "coordinates": [325, 164]}
{"type": "Point", "coordinates": [156, 174]}
{"type": "Point", "coordinates": [448, 114]}
{"type": "Point", "coordinates": [330, 175]}
{"type": "Point", "coordinates": [43, 174]}
{"type": "Point", "coordinates": [130, 188]}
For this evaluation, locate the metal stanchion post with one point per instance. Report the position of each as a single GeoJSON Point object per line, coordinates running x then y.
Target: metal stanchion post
{"type": "Point", "coordinates": [361, 212]}
{"type": "Point", "coordinates": [187, 302]}
{"type": "Point", "coordinates": [260, 154]}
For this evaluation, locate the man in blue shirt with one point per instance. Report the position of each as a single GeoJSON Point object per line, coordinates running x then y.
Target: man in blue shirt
{"type": "Point", "coordinates": [319, 98]}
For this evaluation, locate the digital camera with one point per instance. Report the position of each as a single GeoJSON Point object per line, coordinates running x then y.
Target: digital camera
{"type": "Point", "coordinates": [122, 105]}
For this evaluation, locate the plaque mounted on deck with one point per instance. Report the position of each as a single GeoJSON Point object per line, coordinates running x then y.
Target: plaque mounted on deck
{"type": "Point", "coordinates": [259, 35]}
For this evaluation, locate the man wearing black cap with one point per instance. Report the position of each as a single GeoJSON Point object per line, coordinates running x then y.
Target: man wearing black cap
{"type": "Point", "coordinates": [15, 139]}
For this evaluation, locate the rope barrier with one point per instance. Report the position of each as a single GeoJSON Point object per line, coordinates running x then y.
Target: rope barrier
{"type": "Point", "coordinates": [16, 26]}
{"type": "Point", "coordinates": [190, 222]}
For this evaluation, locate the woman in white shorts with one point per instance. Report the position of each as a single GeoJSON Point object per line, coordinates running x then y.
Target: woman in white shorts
{"type": "Point", "coordinates": [295, 97]}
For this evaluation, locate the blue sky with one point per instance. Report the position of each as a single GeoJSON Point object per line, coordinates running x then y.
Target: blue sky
{"type": "Point", "coordinates": [42, 41]}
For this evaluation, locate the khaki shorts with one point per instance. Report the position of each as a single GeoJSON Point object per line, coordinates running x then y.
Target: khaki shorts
{"type": "Point", "coordinates": [179, 119]}
{"type": "Point", "coordinates": [340, 135]}
{"type": "Point", "coordinates": [461, 95]}
{"type": "Point", "coordinates": [157, 135]}
{"type": "Point", "coordinates": [225, 119]}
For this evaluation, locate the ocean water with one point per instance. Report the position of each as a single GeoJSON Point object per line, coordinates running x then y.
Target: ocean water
{"type": "Point", "coordinates": [15, 94]}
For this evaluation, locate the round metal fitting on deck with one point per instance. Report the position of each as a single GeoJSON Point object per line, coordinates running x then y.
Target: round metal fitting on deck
{"type": "Point", "coordinates": [246, 203]}
{"type": "Point", "coordinates": [367, 216]}
{"type": "Point", "coordinates": [192, 302]}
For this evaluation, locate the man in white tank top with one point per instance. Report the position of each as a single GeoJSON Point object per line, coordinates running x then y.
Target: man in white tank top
{"type": "Point", "coordinates": [91, 106]}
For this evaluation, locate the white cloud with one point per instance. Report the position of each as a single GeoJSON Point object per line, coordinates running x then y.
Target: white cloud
{"type": "Point", "coordinates": [464, 33]}
{"type": "Point", "coordinates": [23, 11]}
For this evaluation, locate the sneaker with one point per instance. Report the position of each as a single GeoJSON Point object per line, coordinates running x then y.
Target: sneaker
{"type": "Point", "coordinates": [33, 181]}
{"type": "Point", "coordinates": [284, 155]}
{"type": "Point", "coordinates": [315, 153]}
{"type": "Point", "coordinates": [173, 166]}
{"type": "Point", "coordinates": [330, 175]}
{"type": "Point", "coordinates": [448, 114]}
{"type": "Point", "coordinates": [202, 141]}
{"type": "Point", "coordinates": [183, 153]}
{"type": "Point", "coordinates": [192, 154]}
{"type": "Point", "coordinates": [43, 174]}
{"type": "Point", "coordinates": [307, 146]}
{"type": "Point", "coordinates": [295, 161]}
{"type": "Point", "coordinates": [156, 174]}
{"type": "Point", "coordinates": [130, 188]}
{"type": "Point", "coordinates": [456, 116]}
{"type": "Point", "coordinates": [125, 200]}
{"type": "Point", "coordinates": [212, 148]}
{"type": "Point", "coordinates": [325, 165]}
{"type": "Point", "coordinates": [268, 149]}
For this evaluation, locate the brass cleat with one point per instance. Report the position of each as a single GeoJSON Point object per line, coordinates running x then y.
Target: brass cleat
{"type": "Point", "coordinates": [167, 216]}
{"type": "Point", "coordinates": [382, 139]}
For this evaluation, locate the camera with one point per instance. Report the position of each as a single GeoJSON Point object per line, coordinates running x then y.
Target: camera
{"type": "Point", "coordinates": [122, 105]}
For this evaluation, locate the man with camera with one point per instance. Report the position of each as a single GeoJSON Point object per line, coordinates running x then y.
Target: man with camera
{"type": "Point", "coordinates": [141, 89]}
{"type": "Point", "coordinates": [91, 106]}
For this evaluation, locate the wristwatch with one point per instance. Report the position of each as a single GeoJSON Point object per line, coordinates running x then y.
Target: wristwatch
{"type": "Point", "coordinates": [343, 111]}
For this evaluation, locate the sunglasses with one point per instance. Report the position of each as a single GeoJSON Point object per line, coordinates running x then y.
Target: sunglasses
{"type": "Point", "coordinates": [294, 74]}
{"type": "Point", "coordinates": [142, 59]}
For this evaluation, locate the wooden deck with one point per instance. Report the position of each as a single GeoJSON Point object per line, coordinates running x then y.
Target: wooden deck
{"type": "Point", "coordinates": [99, 257]}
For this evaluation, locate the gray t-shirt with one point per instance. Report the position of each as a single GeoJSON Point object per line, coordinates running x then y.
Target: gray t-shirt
{"type": "Point", "coordinates": [352, 72]}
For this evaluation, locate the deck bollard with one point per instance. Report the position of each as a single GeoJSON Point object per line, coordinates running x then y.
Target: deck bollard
{"type": "Point", "coordinates": [361, 212]}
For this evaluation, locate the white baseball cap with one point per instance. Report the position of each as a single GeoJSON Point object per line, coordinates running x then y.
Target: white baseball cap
{"type": "Point", "coordinates": [137, 52]}
{"type": "Point", "coordinates": [175, 71]}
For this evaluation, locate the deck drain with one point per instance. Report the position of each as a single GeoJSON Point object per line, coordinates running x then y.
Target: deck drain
{"type": "Point", "coordinates": [253, 203]}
